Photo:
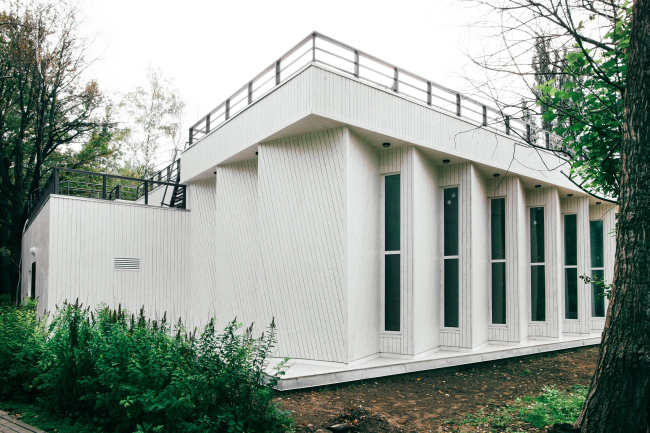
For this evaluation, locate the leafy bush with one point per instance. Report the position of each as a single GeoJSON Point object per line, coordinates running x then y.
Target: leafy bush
{"type": "Point", "coordinates": [22, 339]}
{"type": "Point", "coordinates": [125, 373]}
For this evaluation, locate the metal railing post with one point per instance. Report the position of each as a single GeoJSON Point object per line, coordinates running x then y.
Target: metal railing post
{"type": "Point", "coordinates": [169, 172]}
{"type": "Point", "coordinates": [277, 72]}
{"type": "Point", "coordinates": [313, 47]}
{"type": "Point", "coordinates": [458, 104]}
{"type": "Point", "coordinates": [207, 123]}
{"type": "Point", "coordinates": [429, 101]}
{"type": "Point", "coordinates": [146, 192]}
{"type": "Point", "coordinates": [104, 187]}
{"type": "Point", "coordinates": [528, 132]}
{"type": "Point", "coordinates": [250, 92]}
{"type": "Point", "coordinates": [356, 63]}
{"type": "Point", "coordinates": [227, 108]}
{"type": "Point", "coordinates": [56, 181]}
{"type": "Point", "coordinates": [118, 192]}
{"type": "Point", "coordinates": [396, 80]}
{"type": "Point", "coordinates": [184, 203]}
{"type": "Point", "coordinates": [507, 125]}
{"type": "Point", "coordinates": [548, 140]}
{"type": "Point", "coordinates": [191, 135]}
{"type": "Point", "coordinates": [484, 115]}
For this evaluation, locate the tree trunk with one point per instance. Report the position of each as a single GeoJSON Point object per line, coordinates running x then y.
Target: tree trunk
{"type": "Point", "coordinates": [619, 396]}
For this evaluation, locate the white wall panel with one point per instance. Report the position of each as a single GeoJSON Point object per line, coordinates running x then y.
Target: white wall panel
{"type": "Point", "coordinates": [364, 249]}
{"type": "Point", "coordinates": [37, 236]}
{"type": "Point", "coordinates": [427, 263]}
{"type": "Point", "coordinates": [236, 244]}
{"type": "Point", "coordinates": [88, 234]}
{"type": "Point", "coordinates": [303, 239]}
{"type": "Point", "coordinates": [479, 311]}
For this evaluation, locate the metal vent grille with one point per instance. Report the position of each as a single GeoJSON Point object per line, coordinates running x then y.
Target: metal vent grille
{"type": "Point", "coordinates": [126, 264]}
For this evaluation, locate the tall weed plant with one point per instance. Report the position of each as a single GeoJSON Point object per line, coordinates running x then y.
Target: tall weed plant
{"type": "Point", "coordinates": [127, 373]}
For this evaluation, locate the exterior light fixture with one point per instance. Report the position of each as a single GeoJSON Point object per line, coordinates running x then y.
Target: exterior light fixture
{"type": "Point", "coordinates": [445, 161]}
{"type": "Point", "coordinates": [214, 172]}
{"type": "Point", "coordinates": [538, 186]}
{"type": "Point", "coordinates": [386, 144]}
{"type": "Point", "coordinates": [255, 153]}
{"type": "Point", "coordinates": [598, 203]}
{"type": "Point", "coordinates": [569, 195]}
{"type": "Point", "coordinates": [496, 175]}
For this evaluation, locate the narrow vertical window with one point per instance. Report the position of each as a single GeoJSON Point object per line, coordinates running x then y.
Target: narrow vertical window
{"type": "Point", "coordinates": [498, 236]}
{"type": "Point", "coordinates": [597, 267]}
{"type": "Point", "coordinates": [33, 288]}
{"type": "Point", "coordinates": [537, 265]}
{"type": "Point", "coordinates": [451, 270]}
{"type": "Point", "coordinates": [570, 266]}
{"type": "Point", "coordinates": [392, 253]}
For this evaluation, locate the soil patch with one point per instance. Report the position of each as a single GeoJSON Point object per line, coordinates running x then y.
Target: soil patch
{"type": "Point", "coordinates": [424, 402]}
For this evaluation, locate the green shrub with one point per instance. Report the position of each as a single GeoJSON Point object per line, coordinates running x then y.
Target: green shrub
{"type": "Point", "coordinates": [22, 339]}
{"type": "Point", "coordinates": [125, 373]}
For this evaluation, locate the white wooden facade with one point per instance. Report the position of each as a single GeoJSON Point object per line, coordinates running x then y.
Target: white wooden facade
{"type": "Point", "coordinates": [285, 220]}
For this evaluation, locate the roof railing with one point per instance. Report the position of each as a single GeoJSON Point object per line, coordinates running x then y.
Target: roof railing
{"type": "Point", "coordinates": [323, 50]}
{"type": "Point", "coordinates": [100, 186]}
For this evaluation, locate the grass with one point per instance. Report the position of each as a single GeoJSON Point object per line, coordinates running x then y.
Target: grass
{"type": "Point", "coordinates": [550, 407]}
{"type": "Point", "coordinates": [36, 417]}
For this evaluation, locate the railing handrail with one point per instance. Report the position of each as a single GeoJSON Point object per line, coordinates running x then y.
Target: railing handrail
{"type": "Point", "coordinates": [507, 123]}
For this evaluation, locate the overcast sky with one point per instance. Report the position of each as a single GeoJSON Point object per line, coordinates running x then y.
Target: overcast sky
{"type": "Point", "coordinates": [212, 48]}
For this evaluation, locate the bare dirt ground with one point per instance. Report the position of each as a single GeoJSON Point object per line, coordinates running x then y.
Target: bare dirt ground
{"type": "Point", "coordinates": [422, 402]}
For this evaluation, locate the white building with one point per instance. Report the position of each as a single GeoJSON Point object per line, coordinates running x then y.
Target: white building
{"type": "Point", "coordinates": [387, 223]}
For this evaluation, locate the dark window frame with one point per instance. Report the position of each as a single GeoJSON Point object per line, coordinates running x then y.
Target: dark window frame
{"type": "Point", "coordinates": [451, 287]}
{"type": "Point", "coordinates": [570, 267]}
{"type": "Point", "coordinates": [391, 324]}
{"type": "Point", "coordinates": [496, 263]}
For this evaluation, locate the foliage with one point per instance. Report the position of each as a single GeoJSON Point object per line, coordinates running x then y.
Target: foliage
{"type": "Point", "coordinates": [46, 111]}
{"type": "Point", "coordinates": [155, 117]}
{"type": "Point", "coordinates": [584, 104]}
{"type": "Point", "coordinates": [124, 373]}
{"type": "Point", "coordinates": [22, 339]}
{"type": "Point", "coordinates": [549, 407]}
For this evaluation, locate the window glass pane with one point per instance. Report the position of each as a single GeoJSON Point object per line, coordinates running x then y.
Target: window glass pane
{"type": "Point", "coordinates": [538, 293]}
{"type": "Point", "coordinates": [498, 229]}
{"type": "Point", "coordinates": [392, 292]}
{"type": "Point", "coordinates": [570, 240]}
{"type": "Point", "coordinates": [33, 288]}
{"type": "Point", "coordinates": [571, 293]}
{"type": "Point", "coordinates": [451, 293]}
{"type": "Point", "coordinates": [596, 238]}
{"type": "Point", "coordinates": [598, 295]}
{"type": "Point", "coordinates": [537, 235]}
{"type": "Point", "coordinates": [451, 221]}
{"type": "Point", "coordinates": [392, 213]}
{"type": "Point", "coordinates": [499, 293]}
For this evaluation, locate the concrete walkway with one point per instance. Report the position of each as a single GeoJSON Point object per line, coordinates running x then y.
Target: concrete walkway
{"type": "Point", "coordinates": [8, 424]}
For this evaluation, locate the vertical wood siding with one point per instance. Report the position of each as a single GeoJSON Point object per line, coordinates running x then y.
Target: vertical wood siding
{"type": "Point", "coordinates": [427, 263]}
{"type": "Point", "coordinates": [479, 312]}
{"type": "Point", "coordinates": [460, 175]}
{"type": "Point", "coordinates": [303, 240]}
{"type": "Point", "coordinates": [87, 234]}
{"type": "Point", "coordinates": [203, 275]}
{"type": "Point", "coordinates": [37, 236]}
{"type": "Point", "coordinates": [549, 198]}
{"type": "Point", "coordinates": [515, 329]}
{"type": "Point", "coordinates": [236, 244]}
{"type": "Point", "coordinates": [364, 248]}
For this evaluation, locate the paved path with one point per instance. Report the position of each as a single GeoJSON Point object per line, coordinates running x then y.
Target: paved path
{"type": "Point", "coordinates": [9, 424]}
